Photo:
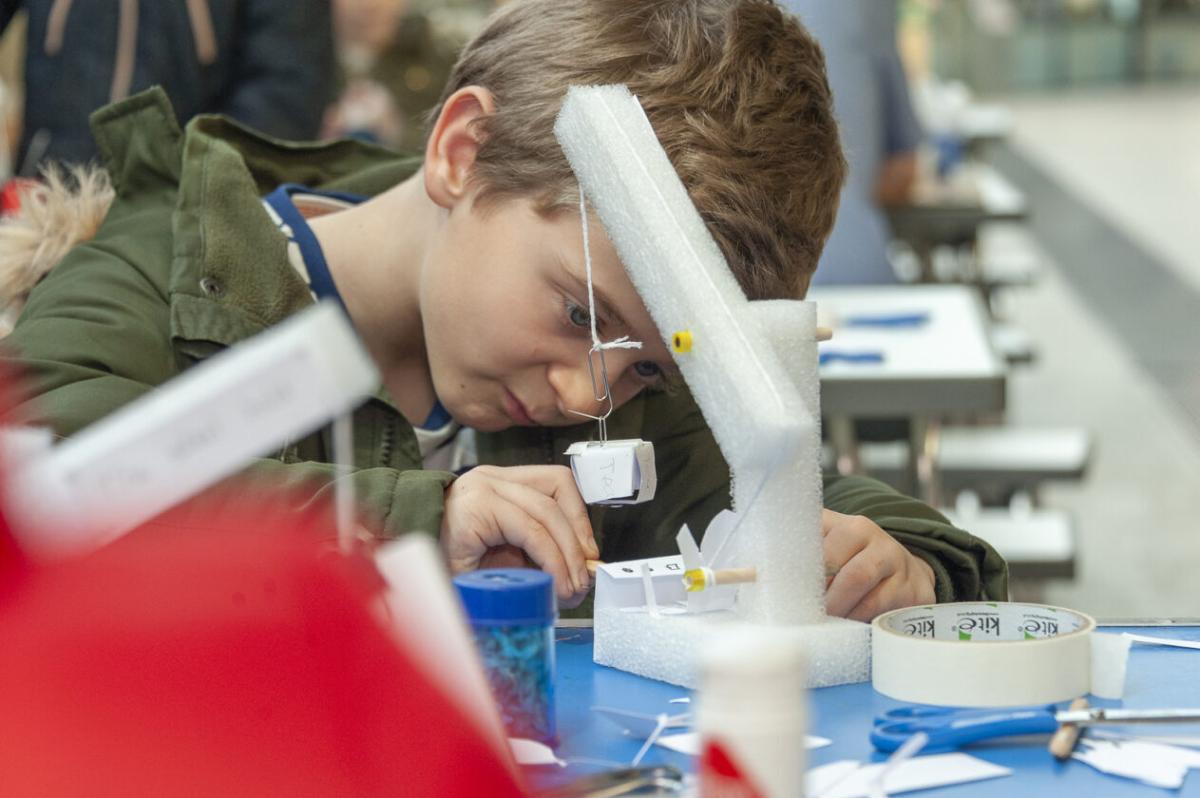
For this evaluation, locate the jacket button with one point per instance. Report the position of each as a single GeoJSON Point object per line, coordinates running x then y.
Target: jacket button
{"type": "Point", "coordinates": [211, 287]}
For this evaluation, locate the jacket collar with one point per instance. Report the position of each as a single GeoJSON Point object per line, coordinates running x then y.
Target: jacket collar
{"type": "Point", "coordinates": [230, 276]}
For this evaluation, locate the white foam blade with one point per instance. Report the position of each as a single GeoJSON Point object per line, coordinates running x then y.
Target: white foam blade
{"type": "Point", "coordinates": [688, 549]}
{"type": "Point", "coordinates": [713, 549]}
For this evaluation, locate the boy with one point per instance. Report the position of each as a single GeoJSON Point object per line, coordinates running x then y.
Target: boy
{"type": "Point", "coordinates": [463, 274]}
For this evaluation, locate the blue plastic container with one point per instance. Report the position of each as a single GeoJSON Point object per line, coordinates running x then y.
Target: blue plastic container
{"type": "Point", "coordinates": [512, 612]}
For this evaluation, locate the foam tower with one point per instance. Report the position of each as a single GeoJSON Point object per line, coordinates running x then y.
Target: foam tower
{"type": "Point", "coordinates": [752, 368]}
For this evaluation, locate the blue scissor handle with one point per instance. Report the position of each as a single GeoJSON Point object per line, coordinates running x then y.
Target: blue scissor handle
{"type": "Point", "coordinates": [950, 728]}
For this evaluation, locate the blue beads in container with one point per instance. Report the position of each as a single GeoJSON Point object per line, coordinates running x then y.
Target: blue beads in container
{"type": "Point", "coordinates": [512, 612]}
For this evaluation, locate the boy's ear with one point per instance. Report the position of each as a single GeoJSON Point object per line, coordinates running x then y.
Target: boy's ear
{"type": "Point", "coordinates": [454, 143]}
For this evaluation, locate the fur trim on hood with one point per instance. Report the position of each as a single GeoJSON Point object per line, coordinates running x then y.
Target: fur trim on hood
{"type": "Point", "coordinates": [63, 210]}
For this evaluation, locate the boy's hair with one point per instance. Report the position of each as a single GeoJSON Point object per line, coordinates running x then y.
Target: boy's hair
{"type": "Point", "coordinates": [735, 90]}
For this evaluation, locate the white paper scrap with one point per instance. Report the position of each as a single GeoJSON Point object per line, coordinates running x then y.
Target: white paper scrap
{"type": "Point", "coordinates": [1151, 763]}
{"type": "Point", "coordinates": [424, 612]}
{"type": "Point", "coordinates": [641, 724]}
{"type": "Point", "coordinates": [821, 779]}
{"type": "Point", "coordinates": [1110, 656]}
{"type": "Point", "coordinates": [531, 752]}
{"type": "Point", "coordinates": [689, 742]}
{"type": "Point", "coordinates": [1161, 641]}
{"type": "Point", "coordinates": [919, 773]}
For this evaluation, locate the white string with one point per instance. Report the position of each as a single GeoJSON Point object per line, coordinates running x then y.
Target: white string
{"type": "Point", "coordinates": [620, 343]}
{"type": "Point", "coordinates": [659, 728]}
{"type": "Point", "coordinates": [598, 347]}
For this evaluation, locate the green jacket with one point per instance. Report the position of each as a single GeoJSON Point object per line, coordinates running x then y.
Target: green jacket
{"type": "Point", "coordinates": [187, 262]}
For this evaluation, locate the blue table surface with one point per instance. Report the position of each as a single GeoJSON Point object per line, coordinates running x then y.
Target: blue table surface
{"type": "Point", "coordinates": [1157, 677]}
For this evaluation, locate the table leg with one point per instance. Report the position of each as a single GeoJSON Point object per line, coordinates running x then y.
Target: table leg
{"type": "Point", "coordinates": [924, 442]}
{"type": "Point", "coordinates": [845, 445]}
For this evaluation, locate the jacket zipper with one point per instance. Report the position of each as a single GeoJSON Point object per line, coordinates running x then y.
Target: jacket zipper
{"type": "Point", "coordinates": [386, 442]}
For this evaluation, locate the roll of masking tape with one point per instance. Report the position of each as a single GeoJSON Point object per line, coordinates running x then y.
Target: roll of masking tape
{"type": "Point", "coordinates": [982, 654]}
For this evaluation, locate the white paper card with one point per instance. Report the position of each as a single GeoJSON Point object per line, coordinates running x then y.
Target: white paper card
{"type": "Point", "coordinates": [819, 780]}
{"type": "Point", "coordinates": [1151, 763]}
{"type": "Point", "coordinates": [531, 752]}
{"type": "Point", "coordinates": [919, 773]}
{"type": "Point", "coordinates": [689, 742]}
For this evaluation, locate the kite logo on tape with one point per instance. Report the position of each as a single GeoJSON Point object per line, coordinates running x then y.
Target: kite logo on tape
{"type": "Point", "coordinates": [920, 627]}
{"type": "Point", "coordinates": [1039, 626]}
{"type": "Point", "coordinates": [984, 624]}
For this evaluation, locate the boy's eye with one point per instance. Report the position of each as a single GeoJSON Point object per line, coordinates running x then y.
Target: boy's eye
{"type": "Point", "coordinates": [578, 316]}
{"type": "Point", "coordinates": [647, 369]}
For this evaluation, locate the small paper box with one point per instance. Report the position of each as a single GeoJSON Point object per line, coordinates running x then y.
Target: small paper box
{"type": "Point", "coordinates": [614, 472]}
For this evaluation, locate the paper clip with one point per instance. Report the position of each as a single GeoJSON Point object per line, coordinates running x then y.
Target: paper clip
{"type": "Point", "coordinates": [597, 394]}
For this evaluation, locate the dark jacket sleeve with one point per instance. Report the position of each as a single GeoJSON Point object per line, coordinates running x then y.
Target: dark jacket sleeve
{"type": "Point", "coordinates": [966, 567]}
{"type": "Point", "coordinates": [284, 75]}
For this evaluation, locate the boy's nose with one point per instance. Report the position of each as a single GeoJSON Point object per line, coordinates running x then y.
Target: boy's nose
{"type": "Point", "coordinates": [573, 386]}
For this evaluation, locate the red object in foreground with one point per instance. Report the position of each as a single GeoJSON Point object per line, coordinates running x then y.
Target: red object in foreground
{"type": "Point", "coordinates": [722, 777]}
{"type": "Point", "coordinates": [231, 661]}
{"type": "Point", "coordinates": [12, 192]}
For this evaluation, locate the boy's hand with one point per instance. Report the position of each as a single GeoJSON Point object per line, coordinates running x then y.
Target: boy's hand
{"type": "Point", "coordinates": [867, 571]}
{"type": "Point", "coordinates": [498, 516]}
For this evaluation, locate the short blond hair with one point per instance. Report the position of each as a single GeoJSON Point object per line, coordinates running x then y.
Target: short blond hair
{"type": "Point", "coordinates": [735, 89]}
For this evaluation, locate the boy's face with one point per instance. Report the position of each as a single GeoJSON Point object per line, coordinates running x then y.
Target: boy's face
{"type": "Point", "coordinates": [504, 306]}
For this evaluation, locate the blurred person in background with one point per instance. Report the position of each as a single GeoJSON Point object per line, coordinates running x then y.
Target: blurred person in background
{"type": "Point", "coordinates": [267, 63]}
{"type": "Point", "coordinates": [880, 132]}
{"type": "Point", "coordinates": [393, 58]}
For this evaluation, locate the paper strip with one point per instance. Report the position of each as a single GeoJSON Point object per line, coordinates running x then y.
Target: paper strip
{"type": "Point", "coordinates": [1161, 641]}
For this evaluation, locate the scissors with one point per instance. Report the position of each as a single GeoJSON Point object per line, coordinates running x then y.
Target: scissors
{"type": "Point", "coordinates": [948, 727]}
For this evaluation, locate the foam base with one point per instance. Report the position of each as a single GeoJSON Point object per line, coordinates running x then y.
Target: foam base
{"type": "Point", "coordinates": [665, 648]}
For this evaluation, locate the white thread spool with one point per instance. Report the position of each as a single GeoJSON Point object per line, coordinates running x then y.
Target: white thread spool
{"type": "Point", "coordinates": [752, 713]}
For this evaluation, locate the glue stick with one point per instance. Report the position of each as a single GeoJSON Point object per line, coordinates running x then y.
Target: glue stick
{"type": "Point", "coordinates": [512, 612]}
{"type": "Point", "coordinates": [751, 713]}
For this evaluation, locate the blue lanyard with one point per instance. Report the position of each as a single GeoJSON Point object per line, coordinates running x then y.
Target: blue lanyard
{"type": "Point", "coordinates": [310, 249]}
{"type": "Point", "coordinates": [317, 267]}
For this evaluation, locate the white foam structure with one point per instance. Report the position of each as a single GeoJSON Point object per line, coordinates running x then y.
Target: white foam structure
{"type": "Point", "coordinates": [752, 369]}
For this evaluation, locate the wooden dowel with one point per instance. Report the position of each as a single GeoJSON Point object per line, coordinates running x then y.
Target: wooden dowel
{"type": "Point", "coordinates": [734, 576]}
{"type": "Point", "coordinates": [824, 334]}
{"type": "Point", "coordinates": [1062, 744]}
